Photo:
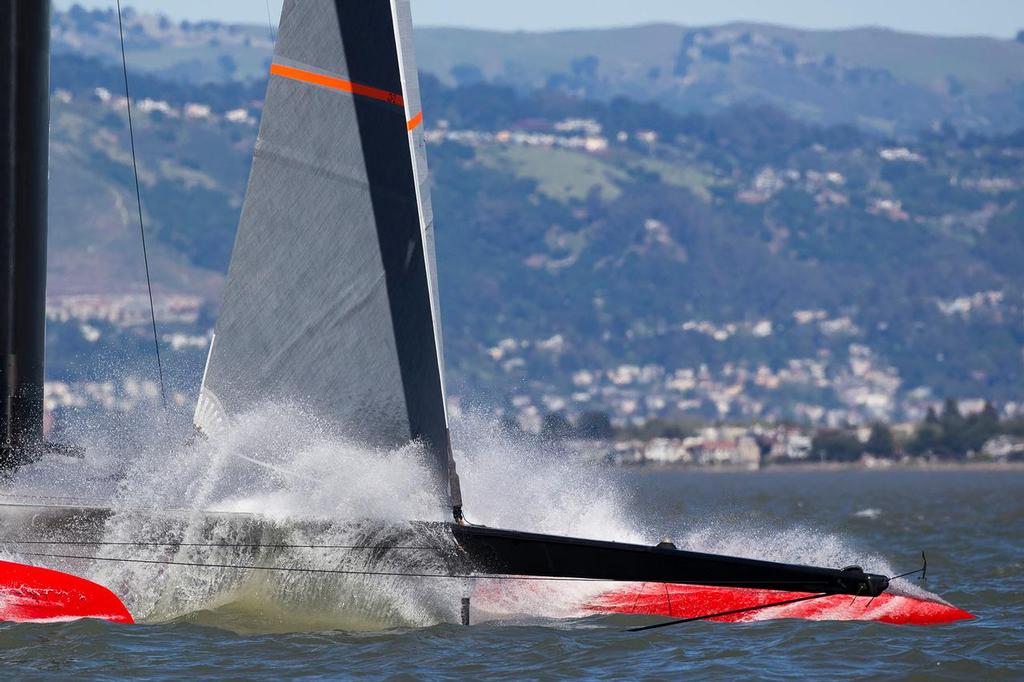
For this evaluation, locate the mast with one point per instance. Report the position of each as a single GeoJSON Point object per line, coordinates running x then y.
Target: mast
{"type": "Point", "coordinates": [24, 135]}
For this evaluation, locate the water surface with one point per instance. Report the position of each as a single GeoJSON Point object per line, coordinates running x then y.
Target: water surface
{"type": "Point", "coordinates": [970, 523]}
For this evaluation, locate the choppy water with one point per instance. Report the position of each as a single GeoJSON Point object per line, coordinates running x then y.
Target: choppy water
{"type": "Point", "coordinates": [970, 523]}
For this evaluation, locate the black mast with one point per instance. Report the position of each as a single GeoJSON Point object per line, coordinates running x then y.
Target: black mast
{"type": "Point", "coordinates": [24, 135]}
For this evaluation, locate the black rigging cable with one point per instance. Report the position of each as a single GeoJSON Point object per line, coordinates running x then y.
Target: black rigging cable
{"type": "Point", "coordinates": [138, 198]}
{"type": "Point", "coordinates": [779, 584]}
{"type": "Point", "coordinates": [923, 571]}
{"type": "Point", "coordinates": [731, 612]}
{"type": "Point", "coordinates": [270, 24]}
{"type": "Point", "coordinates": [304, 569]}
{"type": "Point", "coordinates": [211, 545]}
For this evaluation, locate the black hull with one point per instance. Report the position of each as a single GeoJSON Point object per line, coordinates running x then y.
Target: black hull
{"type": "Point", "coordinates": [532, 554]}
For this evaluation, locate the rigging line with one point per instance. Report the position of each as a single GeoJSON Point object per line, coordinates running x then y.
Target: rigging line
{"type": "Point", "coordinates": [397, 574]}
{"type": "Point", "coordinates": [270, 25]}
{"type": "Point", "coordinates": [138, 198]}
{"type": "Point", "coordinates": [729, 613]}
{"type": "Point", "coordinates": [327, 571]}
{"type": "Point", "coordinates": [225, 545]}
{"type": "Point", "coordinates": [923, 570]}
{"type": "Point", "coordinates": [643, 586]}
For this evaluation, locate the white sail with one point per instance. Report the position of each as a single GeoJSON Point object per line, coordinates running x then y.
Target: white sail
{"type": "Point", "coordinates": [331, 296]}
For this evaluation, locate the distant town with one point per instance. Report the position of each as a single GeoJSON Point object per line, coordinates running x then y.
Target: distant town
{"type": "Point", "coordinates": [970, 430]}
{"type": "Point", "coordinates": [952, 433]}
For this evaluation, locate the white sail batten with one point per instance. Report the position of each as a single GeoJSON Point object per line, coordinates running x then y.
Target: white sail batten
{"type": "Point", "coordinates": [331, 296]}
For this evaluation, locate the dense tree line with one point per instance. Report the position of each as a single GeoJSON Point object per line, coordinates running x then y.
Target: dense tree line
{"type": "Point", "coordinates": [945, 434]}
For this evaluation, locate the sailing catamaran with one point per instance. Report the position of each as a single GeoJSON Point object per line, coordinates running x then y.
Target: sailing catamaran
{"type": "Point", "coordinates": [331, 299]}
{"type": "Point", "coordinates": [331, 296]}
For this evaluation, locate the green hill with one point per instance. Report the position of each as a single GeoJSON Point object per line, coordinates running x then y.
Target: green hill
{"type": "Point", "coordinates": [879, 79]}
{"type": "Point", "coordinates": [610, 253]}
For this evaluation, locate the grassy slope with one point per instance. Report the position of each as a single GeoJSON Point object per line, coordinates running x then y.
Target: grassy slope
{"type": "Point", "coordinates": [986, 63]}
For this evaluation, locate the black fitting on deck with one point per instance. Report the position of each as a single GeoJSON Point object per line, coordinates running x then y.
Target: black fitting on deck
{"type": "Point", "coordinates": [858, 583]}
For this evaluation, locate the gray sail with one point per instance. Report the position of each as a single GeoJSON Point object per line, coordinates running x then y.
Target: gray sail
{"type": "Point", "coordinates": [331, 299]}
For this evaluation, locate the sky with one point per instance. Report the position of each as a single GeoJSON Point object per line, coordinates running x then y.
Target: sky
{"type": "Point", "coordinates": [1000, 18]}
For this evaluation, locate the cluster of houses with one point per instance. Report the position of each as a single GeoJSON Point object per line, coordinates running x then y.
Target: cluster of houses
{"type": "Point", "coordinates": [737, 447]}
{"type": "Point", "coordinates": [123, 310]}
{"type": "Point", "coordinates": [580, 134]}
{"type": "Point", "coordinates": [867, 388]}
{"type": "Point", "coordinates": [194, 111]}
{"type": "Point", "coordinates": [750, 448]}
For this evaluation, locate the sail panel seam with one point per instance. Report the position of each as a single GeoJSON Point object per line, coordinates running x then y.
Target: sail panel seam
{"type": "Point", "coordinates": [315, 170]}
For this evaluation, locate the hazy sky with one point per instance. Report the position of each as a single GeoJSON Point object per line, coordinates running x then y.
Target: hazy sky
{"type": "Point", "coordinates": [1001, 18]}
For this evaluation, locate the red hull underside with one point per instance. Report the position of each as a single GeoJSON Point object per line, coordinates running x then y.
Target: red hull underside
{"type": "Point", "coordinates": [688, 601]}
{"type": "Point", "coordinates": [29, 594]}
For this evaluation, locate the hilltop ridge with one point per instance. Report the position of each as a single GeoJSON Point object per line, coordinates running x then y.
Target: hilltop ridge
{"type": "Point", "coordinates": [876, 78]}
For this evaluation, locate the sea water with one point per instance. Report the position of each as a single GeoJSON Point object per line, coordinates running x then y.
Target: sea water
{"type": "Point", "coordinates": [292, 473]}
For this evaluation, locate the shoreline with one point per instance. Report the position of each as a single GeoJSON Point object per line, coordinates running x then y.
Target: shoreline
{"type": "Point", "coordinates": [832, 466]}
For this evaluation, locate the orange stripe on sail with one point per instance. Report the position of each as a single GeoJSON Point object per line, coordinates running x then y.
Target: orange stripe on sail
{"type": "Point", "coordinates": [415, 121]}
{"type": "Point", "coordinates": [336, 84]}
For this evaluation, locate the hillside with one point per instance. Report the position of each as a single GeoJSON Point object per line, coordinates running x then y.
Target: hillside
{"type": "Point", "coordinates": [879, 79]}
{"type": "Point", "coordinates": [598, 254]}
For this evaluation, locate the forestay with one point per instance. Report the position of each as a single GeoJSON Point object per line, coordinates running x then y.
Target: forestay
{"type": "Point", "coordinates": [331, 296]}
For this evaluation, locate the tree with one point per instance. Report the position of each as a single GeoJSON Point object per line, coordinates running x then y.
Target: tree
{"type": "Point", "coordinates": [927, 439]}
{"type": "Point", "coordinates": [467, 74]}
{"type": "Point", "coordinates": [979, 428]}
{"type": "Point", "coordinates": [953, 441]}
{"type": "Point", "coordinates": [585, 67]}
{"type": "Point", "coordinates": [1013, 427]}
{"type": "Point", "coordinates": [881, 442]}
{"type": "Point", "coordinates": [989, 414]}
{"type": "Point", "coordinates": [228, 64]}
{"type": "Point", "coordinates": [555, 427]}
{"type": "Point", "coordinates": [594, 426]}
{"type": "Point", "coordinates": [836, 445]}
{"type": "Point", "coordinates": [951, 418]}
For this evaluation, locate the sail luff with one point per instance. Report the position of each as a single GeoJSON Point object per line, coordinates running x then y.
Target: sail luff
{"type": "Point", "coordinates": [417, 149]}
{"type": "Point", "coordinates": [402, 18]}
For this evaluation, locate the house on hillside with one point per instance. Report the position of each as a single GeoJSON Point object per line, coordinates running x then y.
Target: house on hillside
{"type": "Point", "coordinates": [667, 451]}
{"type": "Point", "coordinates": [741, 452]}
{"type": "Point", "coordinates": [1004, 447]}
